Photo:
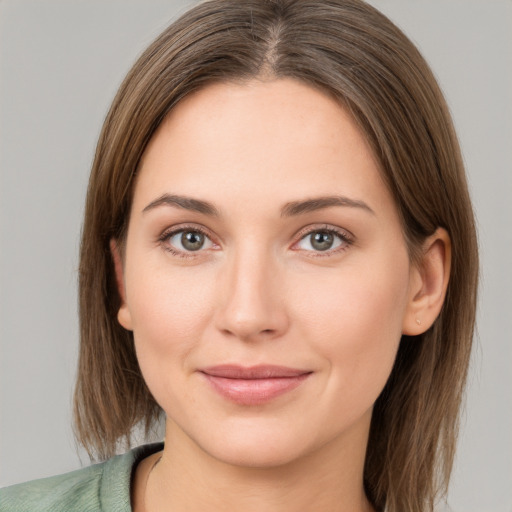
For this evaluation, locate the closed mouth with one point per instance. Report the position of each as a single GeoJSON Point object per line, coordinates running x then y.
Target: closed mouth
{"type": "Point", "coordinates": [254, 385]}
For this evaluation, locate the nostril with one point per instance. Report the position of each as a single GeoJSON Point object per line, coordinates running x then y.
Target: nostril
{"type": "Point", "coordinates": [247, 333]}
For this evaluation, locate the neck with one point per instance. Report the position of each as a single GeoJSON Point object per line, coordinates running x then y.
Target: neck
{"type": "Point", "coordinates": [189, 479]}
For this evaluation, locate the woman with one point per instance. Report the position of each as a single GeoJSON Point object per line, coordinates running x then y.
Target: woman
{"type": "Point", "coordinates": [279, 256]}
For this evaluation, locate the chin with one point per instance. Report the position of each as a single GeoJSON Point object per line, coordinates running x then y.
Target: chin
{"type": "Point", "coordinates": [257, 455]}
{"type": "Point", "coordinates": [258, 444]}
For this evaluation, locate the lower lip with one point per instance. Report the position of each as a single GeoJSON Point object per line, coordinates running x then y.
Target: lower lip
{"type": "Point", "coordinates": [254, 391]}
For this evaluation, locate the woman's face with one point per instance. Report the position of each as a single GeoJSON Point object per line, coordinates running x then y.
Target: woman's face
{"type": "Point", "coordinates": [266, 277]}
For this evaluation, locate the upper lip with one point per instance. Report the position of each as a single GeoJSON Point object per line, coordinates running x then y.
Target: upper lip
{"type": "Point", "coordinates": [264, 371]}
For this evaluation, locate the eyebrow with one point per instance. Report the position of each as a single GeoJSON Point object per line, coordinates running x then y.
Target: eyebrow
{"type": "Point", "coordinates": [186, 203]}
{"type": "Point", "coordinates": [319, 203]}
{"type": "Point", "coordinates": [288, 210]}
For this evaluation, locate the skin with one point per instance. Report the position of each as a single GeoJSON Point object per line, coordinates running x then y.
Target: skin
{"type": "Point", "coordinates": [259, 292]}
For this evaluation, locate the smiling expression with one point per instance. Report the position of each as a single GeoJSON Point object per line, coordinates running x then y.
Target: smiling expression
{"type": "Point", "coordinates": [266, 277]}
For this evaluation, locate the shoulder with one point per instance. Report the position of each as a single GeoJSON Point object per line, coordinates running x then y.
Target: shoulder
{"type": "Point", "coordinates": [72, 491]}
{"type": "Point", "coordinates": [103, 487]}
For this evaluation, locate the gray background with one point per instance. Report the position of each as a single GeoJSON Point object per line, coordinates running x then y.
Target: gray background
{"type": "Point", "coordinates": [60, 64]}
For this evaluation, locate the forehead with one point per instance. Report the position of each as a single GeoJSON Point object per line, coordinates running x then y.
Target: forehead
{"type": "Point", "coordinates": [245, 140]}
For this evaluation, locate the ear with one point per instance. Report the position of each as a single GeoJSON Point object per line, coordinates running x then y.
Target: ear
{"type": "Point", "coordinates": [428, 283]}
{"type": "Point", "coordinates": [123, 315]}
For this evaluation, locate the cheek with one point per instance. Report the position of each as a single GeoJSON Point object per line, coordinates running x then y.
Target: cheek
{"type": "Point", "coordinates": [168, 304]}
{"type": "Point", "coordinates": [355, 322]}
{"type": "Point", "coordinates": [170, 312]}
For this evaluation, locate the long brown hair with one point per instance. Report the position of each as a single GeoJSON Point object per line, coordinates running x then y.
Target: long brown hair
{"type": "Point", "coordinates": [350, 50]}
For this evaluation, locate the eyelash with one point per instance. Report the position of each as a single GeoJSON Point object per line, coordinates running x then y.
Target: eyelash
{"type": "Point", "coordinates": [345, 238]}
{"type": "Point", "coordinates": [163, 239]}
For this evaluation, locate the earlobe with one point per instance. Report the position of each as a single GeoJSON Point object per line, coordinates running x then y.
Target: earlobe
{"type": "Point", "coordinates": [123, 315]}
{"type": "Point", "coordinates": [428, 284]}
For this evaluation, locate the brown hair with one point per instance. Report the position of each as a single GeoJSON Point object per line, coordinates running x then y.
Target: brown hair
{"type": "Point", "coordinates": [349, 49]}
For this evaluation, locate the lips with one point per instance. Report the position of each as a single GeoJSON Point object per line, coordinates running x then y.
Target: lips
{"type": "Point", "coordinates": [254, 385]}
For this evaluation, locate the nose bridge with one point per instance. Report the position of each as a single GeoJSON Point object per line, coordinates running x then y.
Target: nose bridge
{"type": "Point", "coordinates": [253, 302]}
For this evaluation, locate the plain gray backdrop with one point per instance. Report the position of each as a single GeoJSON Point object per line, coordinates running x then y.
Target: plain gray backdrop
{"type": "Point", "coordinates": [61, 62]}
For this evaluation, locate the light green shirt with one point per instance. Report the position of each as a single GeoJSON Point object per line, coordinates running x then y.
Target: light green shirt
{"type": "Point", "coordinates": [103, 487]}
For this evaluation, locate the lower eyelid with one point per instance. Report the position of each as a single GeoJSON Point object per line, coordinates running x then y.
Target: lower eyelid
{"type": "Point", "coordinates": [165, 237]}
{"type": "Point", "coordinates": [341, 242]}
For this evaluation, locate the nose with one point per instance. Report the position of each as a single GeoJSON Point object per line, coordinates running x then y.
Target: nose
{"type": "Point", "coordinates": [252, 303]}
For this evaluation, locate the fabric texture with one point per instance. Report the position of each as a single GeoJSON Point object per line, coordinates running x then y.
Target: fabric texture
{"type": "Point", "coordinates": [103, 487]}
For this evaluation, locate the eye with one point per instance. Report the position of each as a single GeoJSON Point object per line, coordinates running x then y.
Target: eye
{"type": "Point", "coordinates": [323, 240]}
{"type": "Point", "coordinates": [187, 240]}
